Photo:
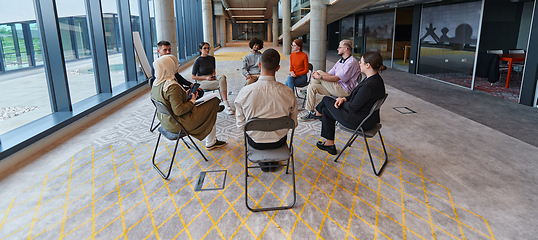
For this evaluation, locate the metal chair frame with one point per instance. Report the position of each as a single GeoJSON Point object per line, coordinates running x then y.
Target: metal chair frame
{"type": "Point", "coordinates": [367, 134]}
{"type": "Point", "coordinates": [270, 124]}
{"type": "Point", "coordinates": [162, 108]}
{"type": "Point", "coordinates": [151, 127]}
{"type": "Point", "coordinates": [311, 68]}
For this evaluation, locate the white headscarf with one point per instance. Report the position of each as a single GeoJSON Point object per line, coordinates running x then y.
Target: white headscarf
{"type": "Point", "coordinates": [165, 69]}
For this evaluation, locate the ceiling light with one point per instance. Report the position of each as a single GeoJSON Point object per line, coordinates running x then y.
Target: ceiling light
{"type": "Point", "coordinates": [246, 9]}
{"type": "Point", "coordinates": [247, 16]}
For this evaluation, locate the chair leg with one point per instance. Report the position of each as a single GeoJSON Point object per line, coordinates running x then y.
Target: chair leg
{"type": "Point", "coordinates": [171, 161]}
{"type": "Point", "coordinates": [271, 208]}
{"type": "Point", "coordinates": [198, 149]}
{"type": "Point", "coordinates": [186, 144]}
{"type": "Point", "coordinates": [377, 173]}
{"type": "Point", "coordinates": [349, 143]}
{"type": "Point", "coordinates": [151, 128]}
{"type": "Point", "coordinates": [304, 99]}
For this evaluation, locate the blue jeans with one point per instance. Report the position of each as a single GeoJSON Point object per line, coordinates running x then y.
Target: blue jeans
{"type": "Point", "coordinates": [294, 81]}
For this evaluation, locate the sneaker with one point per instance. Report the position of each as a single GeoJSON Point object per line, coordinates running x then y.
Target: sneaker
{"type": "Point", "coordinates": [228, 111]}
{"type": "Point", "coordinates": [217, 144]}
{"type": "Point", "coordinates": [309, 116]}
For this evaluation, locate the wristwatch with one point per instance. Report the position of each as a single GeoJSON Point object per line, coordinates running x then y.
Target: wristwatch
{"type": "Point", "coordinates": [320, 77]}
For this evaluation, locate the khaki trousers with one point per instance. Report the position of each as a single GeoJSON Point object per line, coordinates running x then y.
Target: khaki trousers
{"type": "Point", "coordinates": [324, 88]}
{"type": "Point", "coordinates": [219, 83]}
{"type": "Point", "coordinates": [253, 79]}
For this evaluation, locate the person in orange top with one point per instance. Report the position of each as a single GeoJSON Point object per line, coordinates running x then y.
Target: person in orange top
{"type": "Point", "coordinates": [298, 65]}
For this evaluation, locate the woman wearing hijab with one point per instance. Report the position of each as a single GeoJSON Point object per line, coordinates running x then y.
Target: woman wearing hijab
{"type": "Point", "coordinates": [350, 111]}
{"type": "Point", "coordinates": [200, 120]}
{"type": "Point", "coordinates": [298, 65]}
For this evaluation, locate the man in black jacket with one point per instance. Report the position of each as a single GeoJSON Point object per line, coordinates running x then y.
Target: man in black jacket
{"type": "Point", "coordinates": [165, 48]}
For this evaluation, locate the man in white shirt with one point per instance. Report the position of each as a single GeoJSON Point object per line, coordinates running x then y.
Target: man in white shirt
{"type": "Point", "coordinates": [266, 98]}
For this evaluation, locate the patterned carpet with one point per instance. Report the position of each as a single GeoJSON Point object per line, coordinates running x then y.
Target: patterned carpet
{"type": "Point", "coordinates": [109, 190]}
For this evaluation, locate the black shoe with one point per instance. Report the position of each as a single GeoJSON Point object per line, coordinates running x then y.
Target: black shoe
{"type": "Point", "coordinates": [221, 108]}
{"type": "Point", "coordinates": [309, 116]}
{"type": "Point", "coordinates": [217, 144]}
{"type": "Point", "coordinates": [266, 168]}
{"type": "Point", "coordinates": [330, 149]}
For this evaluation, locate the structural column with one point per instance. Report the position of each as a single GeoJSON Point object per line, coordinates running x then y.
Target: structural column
{"type": "Point", "coordinates": [268, 31]}
{"type": "Point", "coordinates": [318, 34]}
{"type": "Point", "coordinates": [207, 21]}
{"type": "Point", "coordinates": [217, 29]}
{"type": "Point", "coordinates": [286, 27]}
{"type": "Point", "coordinates": [230, 32]}
{"type": "Point", "coordinates": [222, 31]}
{"type": "Point", "coordinates": [165, 23]}
{"type": "Point", "coordinates": [275, 25]}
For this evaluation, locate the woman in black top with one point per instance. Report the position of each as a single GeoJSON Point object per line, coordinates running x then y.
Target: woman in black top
{"type": "Point", "coordinates": [203, 71]}
{"type": "Point", "coordinates": [350, 111]}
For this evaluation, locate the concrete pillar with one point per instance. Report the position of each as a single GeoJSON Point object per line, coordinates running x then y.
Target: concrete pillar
{"type": "Point", "coordinates": [230, 31]}
{"type": "Point", "coordinates": [275, 25]}
{"type": "Point", "coordinates": [318, 34]}
{"type": "Point", "coordinates": [217, 26]}
{"type": "Point", "coordinates": [286, 27]}
{"type": "Point", "coordinates": [222, 31]}
{"type": "Point", "coordinates": [165, 23]}
{"type": "Point", "coordinates": [268, 31]}
{"type": "Point", "coordinates": [207, 20]}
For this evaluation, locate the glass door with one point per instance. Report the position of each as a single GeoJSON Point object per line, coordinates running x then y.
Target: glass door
{"type": "Point", "coordinates": [402, 38]}
{"type": "Point", "coordinates": [379, 34]}
{"type": "Point", "coordinates": [448, 38]}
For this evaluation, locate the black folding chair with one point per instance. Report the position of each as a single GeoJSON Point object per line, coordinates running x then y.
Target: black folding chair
{"type": "Point", "coordinates": [284, 153]}
{"type": "Point", "coordinates": [311, 68]}
{"type": "Point", "coordinates": [162, 108]}
{"type": "Point", "coordinates": [152, 128]}
{"type": "Point", "coordinates": [359, 131]}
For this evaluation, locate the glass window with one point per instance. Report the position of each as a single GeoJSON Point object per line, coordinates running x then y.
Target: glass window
{"type": "Point", "coordinates": [24, 95]}
{"type": "Point", "coordinates": [75, 42]}
{"type": "Point", "coordinates": [153, 27]}
{"type": "Point", "coordinates": [113, 43]}
{"type": "Point", "coordinates": [378, 31]}
{"type": "Point", "coordinates": [448, 36]}
{"type": "Point", "coordinates": [359, 38]}
{"type": "Point", "coordinates": [135, 26]}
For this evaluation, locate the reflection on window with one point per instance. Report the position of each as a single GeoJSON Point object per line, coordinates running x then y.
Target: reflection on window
{"type": "Point", "coordinates": [448, 38]}
{"type": "Point", "coordinates": [378, 31]}
{"type": "Point", "coordinates": [113, 42]}
{"type": "Point", "coordinates": [76, 46]}
{"type": "Point", "coordinates": [24, 95]}
{"type": "Point", "coordinates": [135, 25]}
{"type": "Point", "coordinates": [247, 31]}
{"type": "Point", "coordinates": [153, 27]}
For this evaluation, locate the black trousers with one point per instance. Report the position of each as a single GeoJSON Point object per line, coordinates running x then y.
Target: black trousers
{"type": "Point", "coordinates": [330, 115]}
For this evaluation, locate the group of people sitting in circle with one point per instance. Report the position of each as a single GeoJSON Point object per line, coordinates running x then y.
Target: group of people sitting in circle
{"type": "Point", "coordinates": [264, 97]}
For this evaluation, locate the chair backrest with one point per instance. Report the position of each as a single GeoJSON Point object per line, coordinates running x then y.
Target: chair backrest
{"type": "Point", "coordinates": [377, 106]}
{"type": "Point", "coordinates": [162, 108]}
{"type": "Point", "coordinates": [311, 68]}
{"type": "Point", "coordinates": [496, 51]}
{"type": "Point", "coordinates": [150, 81]}
{"type": "Point", "coordinates": [269, 124]}
{"type": "Point", "coordinates": [516, 51]}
